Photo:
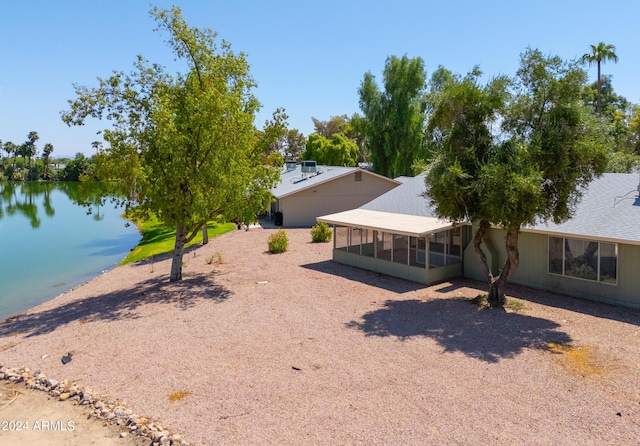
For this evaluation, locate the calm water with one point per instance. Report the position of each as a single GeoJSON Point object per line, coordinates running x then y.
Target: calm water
{"type": "Point", "coordinates": [49, 244]}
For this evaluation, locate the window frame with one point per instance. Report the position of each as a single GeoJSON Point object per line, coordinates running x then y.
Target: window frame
{"type": "Point", "coordinates": [563, 247]}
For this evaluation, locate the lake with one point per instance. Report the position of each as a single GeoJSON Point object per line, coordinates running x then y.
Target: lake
{"type": "Point", "coordinates": [50, 244]}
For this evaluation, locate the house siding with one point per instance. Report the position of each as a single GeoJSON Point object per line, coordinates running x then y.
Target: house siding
{"type": "Point", "coordinates": [341, 194]}
{"type": "Point", "coordinates": [533, 270]}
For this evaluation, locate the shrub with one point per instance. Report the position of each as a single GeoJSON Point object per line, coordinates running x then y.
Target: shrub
{"type": "Point", "coordinates": [321, 233]}
{"type": "Point", "coordinates": [278, 242]}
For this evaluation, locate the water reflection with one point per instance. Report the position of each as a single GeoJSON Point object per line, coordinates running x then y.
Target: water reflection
{"type": "Point", "coordinates": [27, 198]}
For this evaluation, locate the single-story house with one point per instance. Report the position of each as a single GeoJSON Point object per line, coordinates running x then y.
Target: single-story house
{"type": "Point", "coordinates": [307, 191]}
{"type": "Point", "coordinates": [595, 255]}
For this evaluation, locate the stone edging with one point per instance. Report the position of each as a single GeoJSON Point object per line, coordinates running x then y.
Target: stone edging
{"type": "Point", "coordinates": [109, 411]}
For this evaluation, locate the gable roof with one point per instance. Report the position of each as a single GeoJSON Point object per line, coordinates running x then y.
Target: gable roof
{"type": "Point", "coordinates": [294, 181]}
{"type": "Point", "coordinates": [405, 199]}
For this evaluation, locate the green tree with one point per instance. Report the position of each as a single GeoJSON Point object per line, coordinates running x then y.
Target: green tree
{"type": "Point", "coordinates": [183, 147]}
{"type": "Point", "coordinates": [335, 124]}
{"type": "Point", "coordinates": [76, 169]}
{"type": "Point", "coordinates": [29, 147]}
{"type": "Point", "coordinates": [11, 149]}
{"type": "Point", "coordinates": [356, 132]}
{"type": "Point", "coordinates": [599, 53]}
{"type": "Point", "coordinates": [548, 149]}
{"type": "Point", "coordinates": [293, 144]}
{"type": "Point", "coordinates": [337, 151]}
{"type": "Point", "coordinates": [46, 158]}
{"type": "Point", "coordinates": [395, 117]}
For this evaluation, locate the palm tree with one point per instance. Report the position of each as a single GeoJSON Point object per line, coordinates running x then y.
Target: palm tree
{"type": "Point", "coordinates": [46, 154]}
{"type": "Point", "coordinates": [30, 146]}
{"type": "Point", "coordinates": [599, 53]}
{"type": "Point", "coordinates": [10, 148]}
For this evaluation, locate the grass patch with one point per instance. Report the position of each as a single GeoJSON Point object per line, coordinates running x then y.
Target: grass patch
{"type": "Point", "coordinates": [159, 239]}
{"type": "Point", "coordinates": [514, 305]}
{"type": "Point", "coordinates": [480, 301]}
{"type": "Point", "coordinates": [177, 396]}
{"type": "Point", "coordinates": [580, 361]}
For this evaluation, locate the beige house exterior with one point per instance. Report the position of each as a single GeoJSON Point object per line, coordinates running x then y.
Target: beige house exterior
{"type": "Point", "coordinates": [301, 197]}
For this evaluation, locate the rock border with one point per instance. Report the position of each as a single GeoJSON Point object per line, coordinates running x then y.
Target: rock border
{"type": "Point", "coordinates": [111, 412]}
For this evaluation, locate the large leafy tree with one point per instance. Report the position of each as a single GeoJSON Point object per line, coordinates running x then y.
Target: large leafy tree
{"type": "Point", "coordinates": [599, 53]}
{"type": "Point", "coordinates": [335, 124]}
{"type": "Point", "coordinates": [512, 152]}
{"type": "Point", "coordinates": [337, 151]}
{"type": "Point", "coordinates": [183, 147]}
{"type": "Point", "coordinates": [395, 115]}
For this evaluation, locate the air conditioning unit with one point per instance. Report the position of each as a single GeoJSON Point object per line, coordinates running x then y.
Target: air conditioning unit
{"type": "Point", "coordinates": [308, 166]}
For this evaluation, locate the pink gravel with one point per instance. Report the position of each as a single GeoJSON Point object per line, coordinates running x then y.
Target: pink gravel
{"type": "Point", "coordinates": [296, 349]}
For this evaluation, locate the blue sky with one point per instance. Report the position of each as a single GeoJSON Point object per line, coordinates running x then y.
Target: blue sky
{"type": "Point", "coordinates": [307, 57]}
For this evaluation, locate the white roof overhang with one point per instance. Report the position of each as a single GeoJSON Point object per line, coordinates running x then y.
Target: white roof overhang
{"type": "Point", "coordinates": [411, 225]}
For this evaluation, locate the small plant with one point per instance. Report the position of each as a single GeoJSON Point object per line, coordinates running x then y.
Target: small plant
{"type": "Point", "coordinates": [278, 242]}
{"type": "Point", "coordinates": [216, 259]}
{"type": "Point", "coordinates": [321, 233]}
{"type": "Point", "coordinates": [481, 301]}
{"type": "Point", "coordinates": [517, 306]}
{"type": "Point", "coordinates": [177, 396]}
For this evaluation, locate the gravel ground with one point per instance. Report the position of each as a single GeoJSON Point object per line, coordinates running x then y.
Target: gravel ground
{"type": "Point", "coordinates": [295, 349]}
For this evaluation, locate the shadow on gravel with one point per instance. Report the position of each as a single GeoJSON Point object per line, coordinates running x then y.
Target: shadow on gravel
{"type": "Point", "coordinates": [117, 305]}
{"type": "Point", "coordinates": [575, 304]}
{"type": "Point", "coordinates": [459, 326]}
{"type": "Point", "coordinates": [383, 281]}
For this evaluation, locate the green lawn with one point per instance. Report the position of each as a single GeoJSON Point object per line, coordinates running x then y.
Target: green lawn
{"type": "Point", "coordinates": [158, 239]}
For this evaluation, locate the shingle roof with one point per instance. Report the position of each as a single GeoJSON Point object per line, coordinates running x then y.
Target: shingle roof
{"type": "Point", "coordinates": [294, 181]}
{"type": "Point", "coordinates": [609, 209]}
{"type": "Point", "coordinates": [404, 199]}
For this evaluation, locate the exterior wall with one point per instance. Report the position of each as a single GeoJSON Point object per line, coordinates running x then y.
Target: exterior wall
{"type": "Point", "coordinates": [533, 271]}
{"type": "Point", "coordinates": [413, 273]}
{"type": "Point", "coordinates": [341, 194]}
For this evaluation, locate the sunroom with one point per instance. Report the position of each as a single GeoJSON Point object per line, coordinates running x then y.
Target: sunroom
{"type": "Point", "coordinates": [418, 248]}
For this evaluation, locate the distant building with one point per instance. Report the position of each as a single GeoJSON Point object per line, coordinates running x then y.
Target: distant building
{"type": "Point", "coordinates": [307, 191]}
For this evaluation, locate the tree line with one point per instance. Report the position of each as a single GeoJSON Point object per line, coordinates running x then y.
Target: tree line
{"type": "Point", "coordinates": [390, 134]}
{"type": "Point", "coordinates": [24, 162]}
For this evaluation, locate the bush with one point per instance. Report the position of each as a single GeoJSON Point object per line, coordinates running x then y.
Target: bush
{"type": "Point", "coordinates": [278, 242]}
{"type": "Point", "coordinates": [321, 233]}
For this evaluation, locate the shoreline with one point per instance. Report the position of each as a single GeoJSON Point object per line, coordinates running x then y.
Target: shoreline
{"type": "Point", "coordinates": [293, 348]}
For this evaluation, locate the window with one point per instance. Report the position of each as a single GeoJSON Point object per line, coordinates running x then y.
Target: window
{"type": "Point", "coordinates": [354, 240]}
{"type": "Point", "coordinates": [341, 238]}
{"type": "Point", "coordinates": [401, 249]}
{"type": "Point", "coordinates": [446, 247]}
{"type": "Point", "coordinates": [583, 259]}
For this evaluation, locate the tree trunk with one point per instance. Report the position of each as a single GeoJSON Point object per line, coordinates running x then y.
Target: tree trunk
{"type": "Point", "coordinates": [599, 92]}
{"type": "Point", "coordinates": [497, 286]}
{"type": "Point", "coordinates": [205, 234]}
{"type": "Point", "coordinates": [477, 245]}
{"type": "Point", "coordinates": [178, 251]}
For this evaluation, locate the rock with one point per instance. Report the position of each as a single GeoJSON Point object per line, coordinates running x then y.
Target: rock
{"type": "Point", "coordinates": [52, 383]}
{"type": "Point", "coordinates": [64, 396]}
{"type": "Point", "coordinates": [124, 434]}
